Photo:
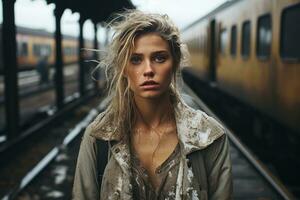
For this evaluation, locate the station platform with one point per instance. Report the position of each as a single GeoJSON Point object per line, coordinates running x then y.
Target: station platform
{"type": "Point", "coordinates": [56, 177]}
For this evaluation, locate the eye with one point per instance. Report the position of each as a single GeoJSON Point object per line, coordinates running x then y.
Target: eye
{"type": "Point", "coordinates": [160, 58]}
{"type": "Point", "coordinates": [135, 59]}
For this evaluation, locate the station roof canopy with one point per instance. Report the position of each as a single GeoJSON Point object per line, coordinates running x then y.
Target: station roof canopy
{"type": "Point", "coordinates": [96, 10]}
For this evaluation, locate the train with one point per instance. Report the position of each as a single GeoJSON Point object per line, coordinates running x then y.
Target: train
{"type": "Point", "coordinates": [34, 44]}
{"type": "Point", "coordinates": [250, 50]}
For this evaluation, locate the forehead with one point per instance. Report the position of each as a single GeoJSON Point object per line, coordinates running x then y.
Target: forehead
{"type": "Point", "coordinates": [150, 42]}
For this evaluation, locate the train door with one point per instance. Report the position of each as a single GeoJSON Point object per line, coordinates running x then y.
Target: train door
{"type": "Point", "coordinates": [212, 53]}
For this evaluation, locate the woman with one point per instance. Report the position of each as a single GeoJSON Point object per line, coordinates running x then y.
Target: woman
{"type": "Point", "coordinates": [159, 147]}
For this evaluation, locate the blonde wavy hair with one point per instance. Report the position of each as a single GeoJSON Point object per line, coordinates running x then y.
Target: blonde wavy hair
{"type": "Point", "coordinates": [127, 26]}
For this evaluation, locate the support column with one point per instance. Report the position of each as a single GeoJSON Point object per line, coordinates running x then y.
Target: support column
{"type": "Point", "coordinates": [96, 57]}
{"type": "Point", "coordinates": [81, 58]}
{"type": "Point", "coordinates": [59, 78]}
{"type": "Point", "coordinates": [10, 69]}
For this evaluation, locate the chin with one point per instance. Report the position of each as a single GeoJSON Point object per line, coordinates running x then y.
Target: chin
{"type": "Point", "coordinates": [152, 94]}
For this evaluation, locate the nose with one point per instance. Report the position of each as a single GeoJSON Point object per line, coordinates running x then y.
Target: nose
{"type": "Point", "coordinates": [148, 71]}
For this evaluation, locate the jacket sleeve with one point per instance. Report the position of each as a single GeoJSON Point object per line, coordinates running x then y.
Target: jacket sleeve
{"type": "Point", "coordinates": [86, 186]}
{"type": "Point", "coordinates": [218, 167]}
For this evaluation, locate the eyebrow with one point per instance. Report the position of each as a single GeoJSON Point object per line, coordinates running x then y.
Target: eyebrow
{"type": "Point", "coordinates": [155, 52]}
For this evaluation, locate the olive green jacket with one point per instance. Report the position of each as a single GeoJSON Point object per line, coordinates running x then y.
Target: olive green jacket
{"type": "Point", "coordinates": [200, 137]}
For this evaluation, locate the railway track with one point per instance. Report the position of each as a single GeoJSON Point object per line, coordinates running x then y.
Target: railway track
{"type": "Point", "coordinates": [38, 100]}
{"type": "Point", "coordinates": [267, 185]}
{"type": "Point", "coordinates": [39, 152]}
{"type": "Point", "coordinates": [267, 139]}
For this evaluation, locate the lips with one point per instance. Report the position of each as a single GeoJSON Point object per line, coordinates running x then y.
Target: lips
{"type": "Point", "coordinates": [149, 83]}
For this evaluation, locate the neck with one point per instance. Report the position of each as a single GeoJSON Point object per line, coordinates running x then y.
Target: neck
{"type": "Point", "coordinates": [152, 111]}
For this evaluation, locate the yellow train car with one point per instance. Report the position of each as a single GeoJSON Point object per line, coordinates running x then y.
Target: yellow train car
{"type": "Point", "coordinates": [34, 44]}
{"type": "Point", "coordinates": [251, 50]}
{"type": "Point", "coordinates": [30, 49]}
{"type": "Point", "coordinates": [70, 50]}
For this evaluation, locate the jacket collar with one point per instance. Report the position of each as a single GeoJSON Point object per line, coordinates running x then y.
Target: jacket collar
{"type": "Point", "coordinates": [196, 130]}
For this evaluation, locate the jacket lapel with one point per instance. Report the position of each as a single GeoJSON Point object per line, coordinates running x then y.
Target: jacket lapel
{"type": "Point", "coordinates": [196, 130]}
{"type": "Point", "coordinates": [121, 153]}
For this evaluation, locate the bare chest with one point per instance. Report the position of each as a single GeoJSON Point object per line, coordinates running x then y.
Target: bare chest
{"type": "Point", "coordinates": [153, 150]}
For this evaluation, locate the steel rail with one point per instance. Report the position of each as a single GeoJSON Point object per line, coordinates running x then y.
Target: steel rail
{"type": "Point", "coordinates": [46, 160]}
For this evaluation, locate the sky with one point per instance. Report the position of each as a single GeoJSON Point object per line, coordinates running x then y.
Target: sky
{"type": "Point", "coordinates": [37, 14]}
{"type": "Point", "coordinates": [183, 12]}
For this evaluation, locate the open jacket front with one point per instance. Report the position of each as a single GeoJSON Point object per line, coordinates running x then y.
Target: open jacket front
{"type": "Point", "coordinates": [197, 133]}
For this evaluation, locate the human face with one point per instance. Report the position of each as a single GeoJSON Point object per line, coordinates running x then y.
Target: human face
{"type": "Point", "coordinates": [150, 66]}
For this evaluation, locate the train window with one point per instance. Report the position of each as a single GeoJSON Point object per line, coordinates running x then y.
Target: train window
{"type": "Point", "coordinates": [233, 41]}
{"type": "Point", "coordinates": [71, 51]}
{"type": "Point", "coordinates": [41, 50]}
{"type": "Point", "coordinates": [48, 50]}
{"type": "Point", "coordinates": [264, 36]}
{"type": "Point", "coordinates": [223, 41]}
{"type": "Point", "coordinates": [290, 31]}
{"type": "Point", "coordinates": [22, 49]}
{"type": "Point", "coordinates": [74, 51]}
{"type": "Point", "coordinates": [36, 50]}
{"type": "Point", "coordinates": [246, 29]}
{"type": "Point", "coordinates": [68, 51]}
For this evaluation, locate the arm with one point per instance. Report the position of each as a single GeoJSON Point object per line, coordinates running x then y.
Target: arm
{"type": "Point", "coordinates": [86, 186]}
{"type": "Point", "coordinates": [218, 166]}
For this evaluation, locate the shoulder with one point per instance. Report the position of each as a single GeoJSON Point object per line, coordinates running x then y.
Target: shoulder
{"type": "Point", "coordinates": [196, 129]}
{"type": "Point", "coordinates": [87, 139]}
{"type": "Point", "coordinates": [215, 128]}
{"type": "Point", "coordinates": [197, 119]}
{"type": "Point", "coordinates": [103, 128]}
